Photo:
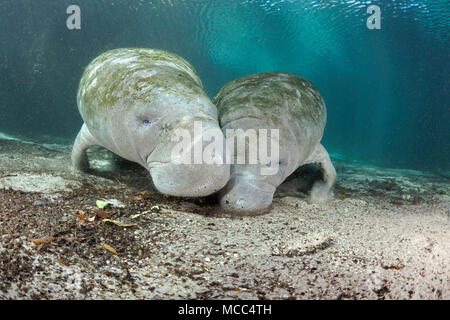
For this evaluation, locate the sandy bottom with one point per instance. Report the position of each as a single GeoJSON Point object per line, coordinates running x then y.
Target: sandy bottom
{"type": "Point", "coordinates": [385, 235]}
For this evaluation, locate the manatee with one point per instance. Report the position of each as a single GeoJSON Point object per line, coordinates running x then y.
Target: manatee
{"type": "Point", "coordinates": [131, 101]}
{"type": "Point", "coordinates": [273, 100]}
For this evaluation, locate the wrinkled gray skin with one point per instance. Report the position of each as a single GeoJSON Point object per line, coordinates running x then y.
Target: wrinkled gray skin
{"type": "Point", "coordinates": [274, 100]}
{"type": "Point", "coordinates": [131, 101]}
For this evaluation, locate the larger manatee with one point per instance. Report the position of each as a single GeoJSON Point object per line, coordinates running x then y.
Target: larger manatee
{"type": "Point", "coordinates": [273, 100]}
{"type": "Point", "coordinates": [131, 101]}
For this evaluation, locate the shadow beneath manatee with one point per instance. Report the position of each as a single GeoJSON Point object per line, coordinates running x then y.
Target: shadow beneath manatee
{"type": "Point", "coordinates": [108, 165]}
{"type": "Point", "coordinates": [300, 182]}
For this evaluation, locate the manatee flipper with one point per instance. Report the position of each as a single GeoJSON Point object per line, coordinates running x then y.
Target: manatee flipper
{"type": "Point", "coordinates": [321, 191]}
{"type": "Point", "coordinates": [83, 141]}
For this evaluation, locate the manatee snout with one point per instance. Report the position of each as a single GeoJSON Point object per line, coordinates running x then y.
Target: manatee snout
{"type": "Point", "coordinates": [175, 170]}
{"type": "Point", "coordinates": [246, 196]}
{"type": "Point", "coordinates": [189, 180]}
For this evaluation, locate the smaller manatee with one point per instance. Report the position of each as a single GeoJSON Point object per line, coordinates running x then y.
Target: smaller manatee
{"type": "Point", "coordinates": [273, 100]}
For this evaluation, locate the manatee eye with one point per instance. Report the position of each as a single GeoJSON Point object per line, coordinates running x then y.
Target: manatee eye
{"type": "Point", "coordinates": [146, 121]}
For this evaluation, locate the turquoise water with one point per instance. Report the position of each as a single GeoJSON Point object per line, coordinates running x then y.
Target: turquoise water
{"type": "Point", "coordinates": [386, 90]}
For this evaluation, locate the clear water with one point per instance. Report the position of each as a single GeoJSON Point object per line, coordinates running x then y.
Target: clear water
{"type": "Point", "coordinates": [387, 90]}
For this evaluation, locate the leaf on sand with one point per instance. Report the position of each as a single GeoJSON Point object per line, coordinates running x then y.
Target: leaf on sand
{"type": "Point", "coordinates": [80, 215]}
{"type": "Point", "coordinates": [140, 214]}
{"type": "Point", "coordinates": [101, 204]}
{"type": "Point", "coordinates": [146, 211]}
{"type": "Point", "coordinates": [109, 248]}
{"type": "Point", "coordinates": [44, 240]}
{"type": "Point", "coordinates": [120, 224]}
{"type": "Point", "coordinates": [113, 202]}
{"type": "Point", "coordinates": [102, 214]}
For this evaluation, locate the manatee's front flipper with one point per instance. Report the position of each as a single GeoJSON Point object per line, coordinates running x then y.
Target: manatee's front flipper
{"type": "Point", "coordinates": [83, 141]}
{"type": "Point", "coordinates": [321, 191]}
